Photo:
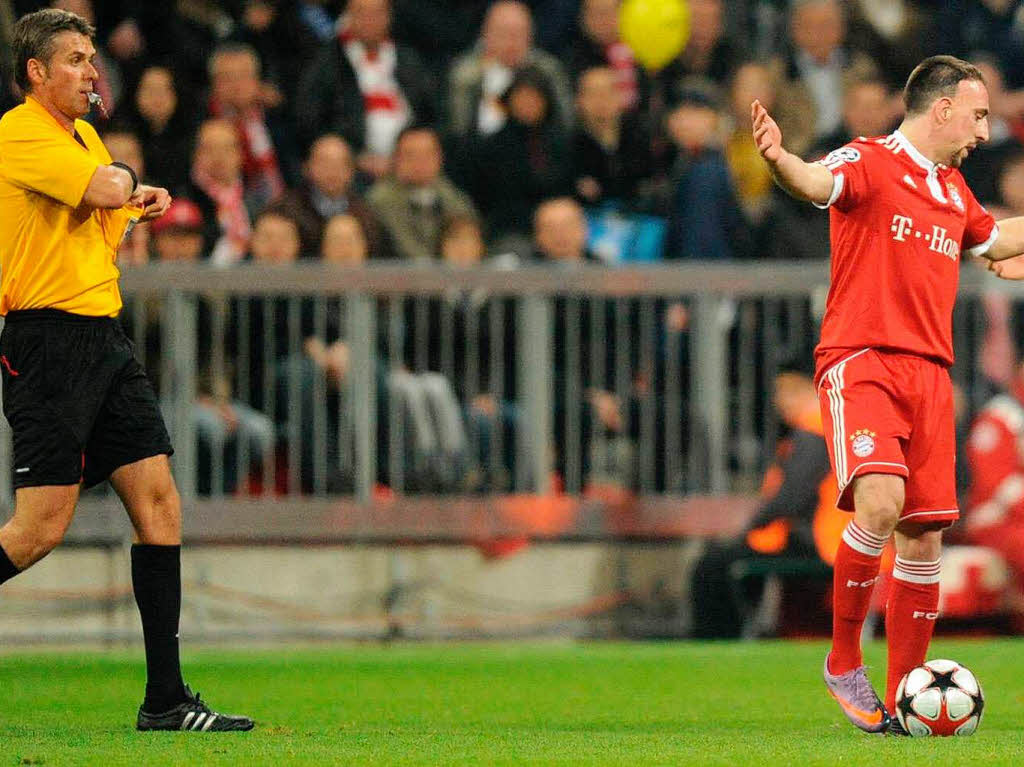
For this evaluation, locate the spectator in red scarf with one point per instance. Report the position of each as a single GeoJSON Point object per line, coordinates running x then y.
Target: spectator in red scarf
{"type": "Point", "coordinates": [237, 95]}
{"type": "Point", "coordinates": [599, 45]}
{"type": "Point", "coordinates": [364, 87]}
{"type": "Point", "coordinates": [216, 187]}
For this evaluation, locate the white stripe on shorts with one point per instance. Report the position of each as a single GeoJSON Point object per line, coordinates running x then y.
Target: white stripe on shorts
{"type": "Point", "coordinates": [835, 399]}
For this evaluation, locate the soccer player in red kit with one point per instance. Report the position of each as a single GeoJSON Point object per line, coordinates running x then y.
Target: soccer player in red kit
{"type": "Point", "coordinates": [901, 219]}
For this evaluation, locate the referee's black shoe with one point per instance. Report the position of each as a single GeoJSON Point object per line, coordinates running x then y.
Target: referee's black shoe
{"type": "Point", "coordinates": [194, 716]}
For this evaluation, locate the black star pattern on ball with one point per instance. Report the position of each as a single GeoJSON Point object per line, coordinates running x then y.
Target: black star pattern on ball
{"type": "Point", "coordinates": [903, 704]}
{"type": "Point", "coordinates": [943, 681]}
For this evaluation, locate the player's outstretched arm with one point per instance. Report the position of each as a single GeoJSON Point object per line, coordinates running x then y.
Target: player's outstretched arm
{"type": "Point", "coordinates": [1006, 256]}
{"type": "Point", "coordinates": [803, 180]}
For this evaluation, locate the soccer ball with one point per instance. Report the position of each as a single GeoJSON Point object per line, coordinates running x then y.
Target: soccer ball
{"type": "Point", "coordinates": [939, 698]}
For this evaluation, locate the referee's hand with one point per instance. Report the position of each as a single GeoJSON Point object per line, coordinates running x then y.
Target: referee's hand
{"type": "Point", "coordinates": [154, 201]}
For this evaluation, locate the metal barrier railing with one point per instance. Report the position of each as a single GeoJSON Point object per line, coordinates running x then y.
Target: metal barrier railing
{"type": "Point", "coordinates": [320, 381]}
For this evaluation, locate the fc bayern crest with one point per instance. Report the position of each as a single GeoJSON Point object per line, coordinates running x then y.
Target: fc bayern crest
{"type": "Point", "coordinates": [954, 195]}
{"type": "Point", "coordinates": [863, 443]}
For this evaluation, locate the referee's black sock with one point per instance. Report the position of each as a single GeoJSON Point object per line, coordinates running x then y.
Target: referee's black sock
{"type": "Point", "coordinates": [7, 568]}
{"type": "Point", "coordinates": [156, 579]}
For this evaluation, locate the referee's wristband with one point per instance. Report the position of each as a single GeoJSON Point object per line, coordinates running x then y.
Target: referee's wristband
{"type": "Point", "coordinates": [123, 166]}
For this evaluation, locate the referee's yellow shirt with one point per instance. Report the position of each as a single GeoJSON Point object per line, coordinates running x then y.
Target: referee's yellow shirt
{"type": "Point", "coordinates": [55, 252]}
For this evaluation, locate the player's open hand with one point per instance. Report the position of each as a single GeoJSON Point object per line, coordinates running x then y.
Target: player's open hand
{"type": "Point", "coordinates": [1008, 268]}
{"type": "Point", "coordinates": [154, 201]}
{"type": "Point", "coordinates": [767, 135]}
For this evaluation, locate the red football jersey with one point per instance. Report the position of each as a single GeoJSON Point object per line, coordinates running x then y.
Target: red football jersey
{"type": "Point", "coordinates": [898, 225]}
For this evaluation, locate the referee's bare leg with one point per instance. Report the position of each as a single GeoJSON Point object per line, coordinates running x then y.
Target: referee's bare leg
{"type": "Point", "coordinates": [147, 490]}
{"type": "Point", "coordinates": [41, 517]}
{"type": "Point", "coordinates": [151, 499]}
{"type": "Point", "coordinates": [42, 514]}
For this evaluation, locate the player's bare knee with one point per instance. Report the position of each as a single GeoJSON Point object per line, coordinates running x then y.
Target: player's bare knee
{"type": "Point", "coordinates": [878, 519]}
{"type": "Point", "coordinates": [878, 513]}
{"type": "Point", "coordinates": [878, 500]}
{"type": "Point", "coordinates": [919, 543]}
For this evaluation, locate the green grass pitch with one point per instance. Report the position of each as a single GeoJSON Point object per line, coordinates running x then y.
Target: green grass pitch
{"type": "Point", "coordinates": [673, 703]}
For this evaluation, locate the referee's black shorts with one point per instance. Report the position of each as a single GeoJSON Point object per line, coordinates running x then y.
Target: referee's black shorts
{"type": "Point", "coordinates": [78, 402]}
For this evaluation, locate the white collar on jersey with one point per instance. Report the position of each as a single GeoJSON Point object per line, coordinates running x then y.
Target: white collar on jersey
{"type": "Point", "coordinates": [933, 168]}
{"type": "Point", "coordinates": [913, 151]}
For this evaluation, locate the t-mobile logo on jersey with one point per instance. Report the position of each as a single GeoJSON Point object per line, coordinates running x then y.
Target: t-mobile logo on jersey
{"type": "Point", "coordinates": [902, 228]}
{"type": "Point", "coordinates": [941, 243]}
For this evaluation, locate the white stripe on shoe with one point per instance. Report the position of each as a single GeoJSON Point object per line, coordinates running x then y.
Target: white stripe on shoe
{"type": "Point", "coordinates": [209, 722]}
{"type": "Point", "coordinates": [187, 719]}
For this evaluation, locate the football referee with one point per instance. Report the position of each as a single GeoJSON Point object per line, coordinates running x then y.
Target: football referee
{"type": "Point", "coordinates": [80, 406]}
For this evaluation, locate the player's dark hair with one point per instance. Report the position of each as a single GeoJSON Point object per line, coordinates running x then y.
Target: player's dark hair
{"type": "Point", "coordinates": [935, 77]}
{"type": "Point", "coordinates": [34, 36]}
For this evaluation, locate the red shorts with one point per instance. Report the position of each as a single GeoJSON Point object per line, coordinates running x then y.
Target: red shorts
{"type": "Point", "coordinates": [892, 413]}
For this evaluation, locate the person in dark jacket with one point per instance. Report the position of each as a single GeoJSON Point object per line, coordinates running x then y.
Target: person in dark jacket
{"type": "Point", "coordinates": [531, 157]}
{"type": "Point", "coordinates": [328, 190]}
{"type": "Point", "coordinates": [161, 120]}
{"type": "Point", "coordinates": [797, 517]}
{"type": "Point", "coordinates": [611, 149]}
{"type": "Point", "coordinates": [365, 87]}
{"type": "Point", "coordinates": [705, 219]}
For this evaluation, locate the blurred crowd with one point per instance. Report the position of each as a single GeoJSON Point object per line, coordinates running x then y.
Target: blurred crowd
{"type": "Point", "coordinates": [507, 132]}
{"type": "Point", "coordinates": [369, 129]}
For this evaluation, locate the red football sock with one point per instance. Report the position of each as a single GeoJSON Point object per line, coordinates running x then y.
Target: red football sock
{"type": "Point", "coordinates": [853, 579]}
{"type": "Point", "coordinates": [909, 619]}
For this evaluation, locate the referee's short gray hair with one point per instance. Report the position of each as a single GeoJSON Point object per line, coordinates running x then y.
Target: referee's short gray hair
{"type": "Point", "coordinates": [35, 35]}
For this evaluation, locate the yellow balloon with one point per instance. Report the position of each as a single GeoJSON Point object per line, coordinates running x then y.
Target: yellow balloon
{"type": "Point", "coordinates": [656, 30]}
